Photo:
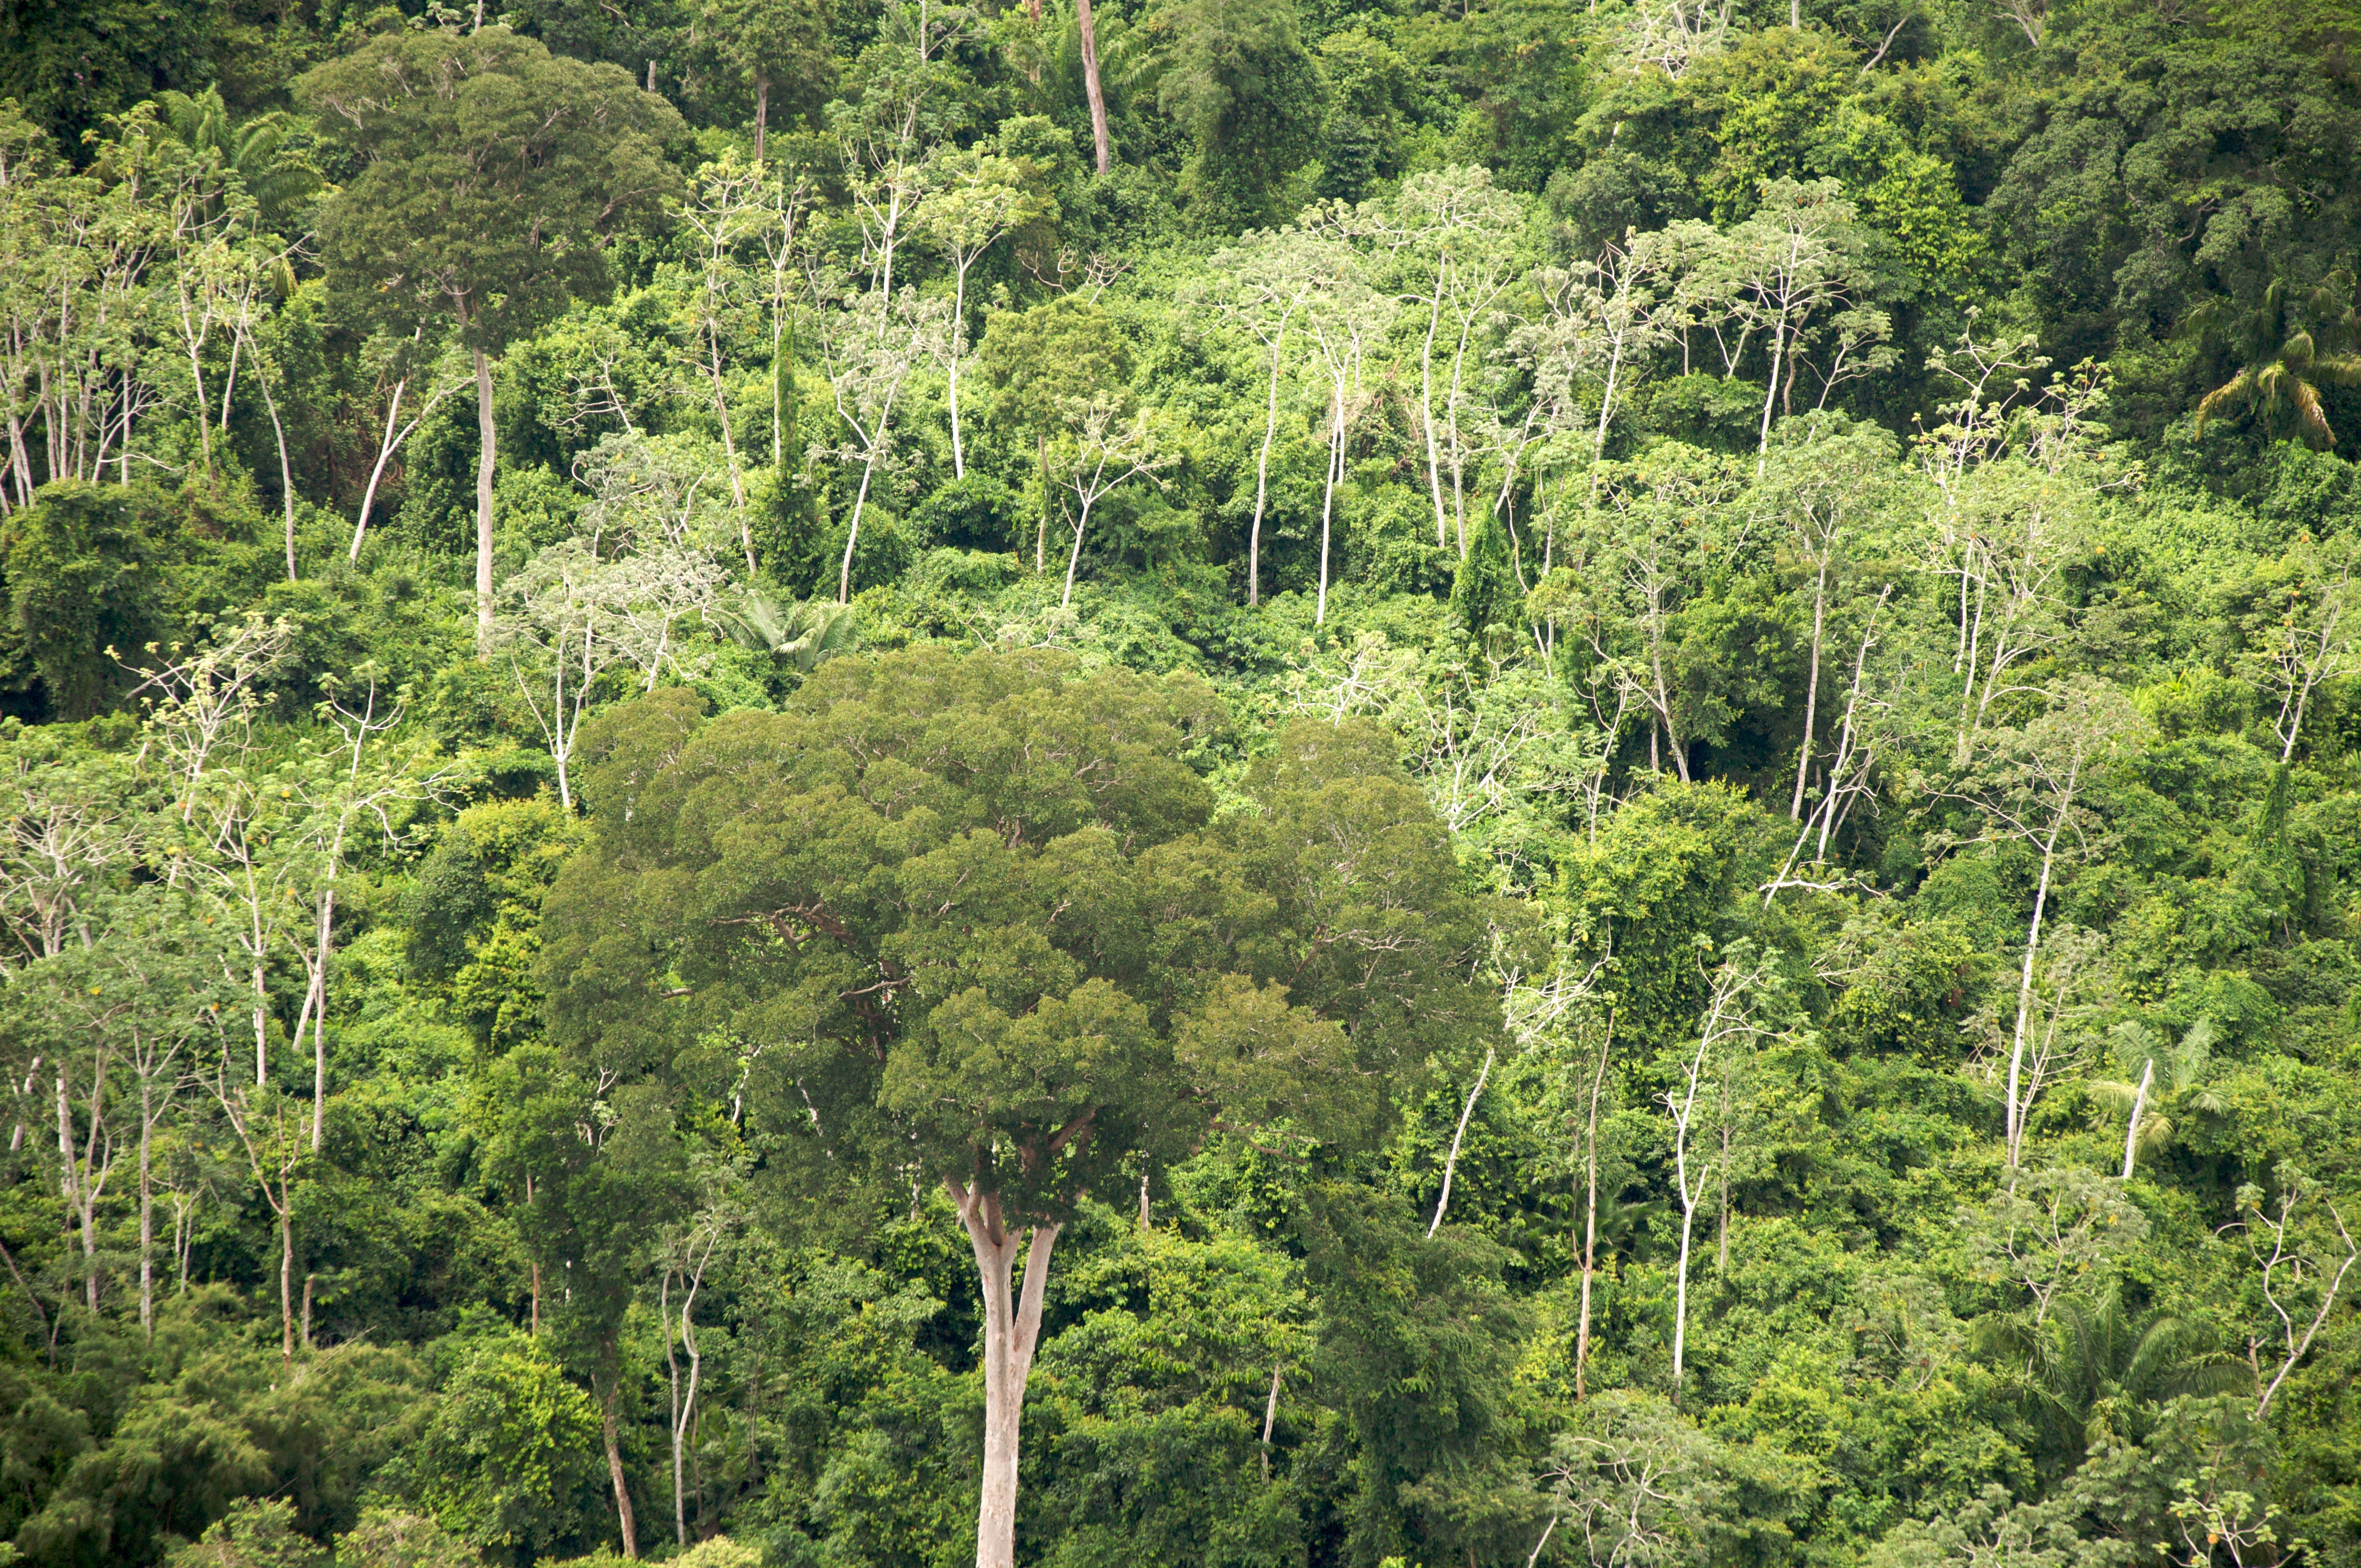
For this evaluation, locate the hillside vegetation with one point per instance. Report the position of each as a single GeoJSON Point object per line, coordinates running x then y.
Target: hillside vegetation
{"type": "Point", "coordinates": [1212, 784]}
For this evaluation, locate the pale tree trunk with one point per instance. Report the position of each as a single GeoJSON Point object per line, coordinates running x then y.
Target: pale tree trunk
{"type": "Point", "coordinates": [1771, 398]}
{"type": "Point", "coordinates": [2140, 1104]}
{"type": "Point", "coordinates": [762, 106]}
{"type": "Point", "coordinates": [1262, 473]}
{"type": "Point", "coordinates": [1590, 1214]}
{"type": "Point", "coordinates": [1074, 556]}
{"type": "Point", "coordinates": [729, 447]}
{"type": "Point", "coordinates": [84, 1177]}
{"type": "Point", "coordinates": [286, 470]}
{"type": "Point", "coordinates": [1269, 1416]}
{"type": "Point", "coordinates": [852, 533]}
{"type": "Point", "coordinates": [1811, 692]}
{"type": "Point", "coordinates": [1328, 505]}
{"type": "Point", "coordinates": [261, 1029]}
{"type": "Point", "coordinates": [951, 368]}
{"type": "Point", "coordinates": [1089, 32]}
{"type": "Point", "coordinates": [684, 1408]}
{"type": "Point", "coordinates": [1681, 1293]}
{"type": "Point", "coordinates": [1041, 535]}
{"type": "Point", "coordinates": [1683, 1105]}
{"type": "Point", "coordinates": [146, 1212]}
{"type": "Point", "coordinates": [2024, 999]}
{"type": "Point", "coordinates": [1012, 1328]}
{"type": "Point", "coordinates": [623, 1519]}
{"type": "Point", "coordinates": [484, 457]}
{"type": "Point", "coordinates": [320, 1028]}
{"type": "Point", "coordinates": [1450, 1160]}
{"type": "Point", "coordinates": [1458, 456]}
{"type": "Point", "coordinates": [1426, 413]}
{"type": "Point", "coordinates": [286, 1277]}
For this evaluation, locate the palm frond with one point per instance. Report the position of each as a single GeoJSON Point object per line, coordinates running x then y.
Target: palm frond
{"type": "Point", "coordinates": [2238, 389]}
{"type": "Point", "coordinates": [2337, 370]}
{"type": "Point", "coordinates": [807, 632]}
{"type": "Point", "coordinates": [2309, 416]}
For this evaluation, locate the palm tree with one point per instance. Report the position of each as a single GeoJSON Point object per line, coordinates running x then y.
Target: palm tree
{"type": "Point", "coordinates": [2296, 341]}
{"type": "Point", "coordinates": [257, 153]}
{"type": "Point", "coordinates": [2159, 1077]}
{"type": "Point", "coordinates": [806, 633]}
{"type": "Point", "coordinates": [2093, 1372]}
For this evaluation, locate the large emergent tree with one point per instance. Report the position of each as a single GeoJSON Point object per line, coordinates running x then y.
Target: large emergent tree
{"type": "Point", "coordinates": [972, 922]}
{"type": "Point", "coordinates": [492, 174]}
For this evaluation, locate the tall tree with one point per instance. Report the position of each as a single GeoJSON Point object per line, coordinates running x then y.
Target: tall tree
{"type": "Point", "coordinates": [1262, 287]}
{"type": "Point", "coordinates": [770, 46]}
{"type": "Point", "coordinates": [975, 201]}
{"type": "Point", "coordinates": [2034, 791]}
{"type": "Point", "coordinates": [981, 920]}
{"type": "Point", "coordinates": [492, 174]}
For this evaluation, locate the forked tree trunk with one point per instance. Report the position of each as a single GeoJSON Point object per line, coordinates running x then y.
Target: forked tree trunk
{"type": "Point", "coordinates": [1012, 1328]}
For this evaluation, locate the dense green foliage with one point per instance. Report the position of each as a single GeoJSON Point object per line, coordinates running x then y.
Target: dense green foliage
{"type": "Point", "coordinates": [1614, 749]}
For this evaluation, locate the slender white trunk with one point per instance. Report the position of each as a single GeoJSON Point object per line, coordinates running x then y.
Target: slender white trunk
{"type": "Point", "coordinates": [320, 1015]}
{"type": "Point", "coordinates": [1458, 456]}
{"type": "Point", "coordinates": [261, 1030]}
{"type": "Point", "coordinates": [484, 458]}
{"type": "Point", "coordinates": [1262, 471]}
{"type": "Point", "coordinates": [1681, 1294]}
{"type": "Point", "coordinates": [959, 343]}
{"type": "Point", "coordinates": [147, 1212]}
{"type": "Point", "coordinates": [2131, 1128]}
{"type": "Point", "coordinates": [1683, 1110]}
{"type": "Point", "coordinates": [853, 535]}
{"type": "Point", "coordinates": [684, 1409]}
{"type": "Point", "coordinates": [1605, 404]}
{"type": "Point", "coordinates": [286, 1274]}
{"type": "Point", "coordinates": [1074, 556]}
{"type": "Point", "coordinates": [1450, 1160]}
{"type": "Point", "coordinates": [1590, 1214]}
{"type": "Point", "coordinates": [1426, 412]}
{"type": "Point", "coordinates": [2016, 1127]}
{"type": "Point", "coordinates": [1269, 1417]}
{"type": "Point", "coordinates": [1771, 398]}
{"type": "Point", "coordinates": [1328, 504]}
{"type": "Point", "coordinates": [625, 1521]}
{"type": "Point", "coordinates": [1811, 694]}
{"type": "Point", "coordinates": [286, 471]}
{"type": "Point", "coordinates": [730, 444]}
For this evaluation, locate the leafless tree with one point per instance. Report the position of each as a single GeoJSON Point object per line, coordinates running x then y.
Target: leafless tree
{"type": "Point", "coordinates": [2288, 1241]}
